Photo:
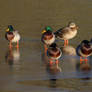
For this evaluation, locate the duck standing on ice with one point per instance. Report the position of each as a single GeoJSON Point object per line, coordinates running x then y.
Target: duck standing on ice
{"type": "Point", "coordinates": [12, 36]}
{"type": "Point", "coordinates": [67, 32]}
{"type": "Point", "coordinates": [47, 37]}
{"type": "Point", "coordinates": [54, 53]}
{"type": "Point", "coordinates": [84, 50]}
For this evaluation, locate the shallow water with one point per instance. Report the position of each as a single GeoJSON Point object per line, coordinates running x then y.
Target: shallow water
{"type": "Point", "coordinates": [26, 69]}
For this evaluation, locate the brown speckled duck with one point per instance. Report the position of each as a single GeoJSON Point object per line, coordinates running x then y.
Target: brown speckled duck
{"type": "Point", "coordinates": [67, 33]}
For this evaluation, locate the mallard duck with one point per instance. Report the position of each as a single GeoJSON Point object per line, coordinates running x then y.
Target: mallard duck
{"type": "Point", "coordinates": [67, 33]}
{"type": "Point", "coordinates": [84, 50]}
{"type": "Point", "coordinates": [12, 36]}
{"type": "Point", "coordinates": [54, 53]}
{"type": "Point", "coordinates": [47, 37]}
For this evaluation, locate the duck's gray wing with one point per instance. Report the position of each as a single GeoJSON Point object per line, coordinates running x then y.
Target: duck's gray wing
{"type": "Point", "coordinates": [61, 32]}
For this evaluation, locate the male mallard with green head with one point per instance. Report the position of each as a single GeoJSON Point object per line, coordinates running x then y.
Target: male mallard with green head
{"type": "Point", "coordinates": [47, 37]}
{"type": "Point", "coordinates": [54, 53]}
{"type": "Point", "coordinates": [67, 33]}
{"type": "Point", "coordinates": [12, 36]}
{"type": "Point", "coordinates": [84, 50]}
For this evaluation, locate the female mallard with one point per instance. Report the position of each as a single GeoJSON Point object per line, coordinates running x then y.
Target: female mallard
{"type": "Point", "coordinates": [12, 36]}
{"type": "Point", "coordinates": [84, 50]}
{"type": "Point", "coordinates": [54, 53]}
{"type": "Point", "coordinates": [47, 37]}
{"type": "Point", "coordinates": [67, 33]}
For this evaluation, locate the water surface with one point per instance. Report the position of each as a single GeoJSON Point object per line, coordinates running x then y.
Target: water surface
{"type": "Point", "coordinates": [26, 69]}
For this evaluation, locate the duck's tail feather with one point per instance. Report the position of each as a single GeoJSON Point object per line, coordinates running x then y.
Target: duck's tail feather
{"type": "Point", "coordinates": [58, 33]}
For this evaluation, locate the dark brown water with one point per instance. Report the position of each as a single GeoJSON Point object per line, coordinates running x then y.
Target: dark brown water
{"type": "Point", "coordinates": [26, 70]}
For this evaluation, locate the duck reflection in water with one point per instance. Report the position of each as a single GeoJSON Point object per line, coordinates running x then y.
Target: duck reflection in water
{"type": "Point", "coordinates": [69, 54]}
{"type": "Point", "coordinates": [53, 70]}
{"type": "Point", "coordinates": [12, 56]}
{"type": "Point", "coordinates": [69, 50]}
{"type": "Point", "coordinates": [84, 70]}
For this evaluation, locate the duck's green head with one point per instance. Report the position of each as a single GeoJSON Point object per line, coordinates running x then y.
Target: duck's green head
{"type": "Point", "coordinates": [48, 28]}
{"type": "Point", "coordinates": [10, 28]}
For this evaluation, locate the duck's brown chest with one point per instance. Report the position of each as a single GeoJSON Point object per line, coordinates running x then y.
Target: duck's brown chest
{"type": "Point", "coordinates": [9, 36]}
{"type": "Point", "coordinates": [47, 36]}
{"type": "Point", "coordinates": [54, 52]}
{"type": "Point", "coordinates": [86, 50]}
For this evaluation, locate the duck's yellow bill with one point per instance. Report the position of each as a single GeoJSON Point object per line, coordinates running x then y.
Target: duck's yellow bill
{"type": "Point", "coordinates": [7, 30]}
{"type": "Point", "coordinates": [43, 31]}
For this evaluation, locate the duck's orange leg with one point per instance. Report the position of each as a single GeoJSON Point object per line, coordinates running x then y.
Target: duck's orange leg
{"type": "Point", "coordinates": [86, 59]}
{"type": "Point", "coordinates": [10, 45]}
{"type": "Point", "coordinates": [57, 61]}
{"type": "Point", "coordinates": [81, 60]}
{"type": "Point", "coordinates": [50, 62]}
{"type": "Point", "coordinates": [17, 44]}
{"type": "Point", "coordinates": [45, 48]}
{"type": "Point", "coordinates": [67, 42]}
{"type": "Point", "coordinates": [64, 42]}
{"type": "Point", "coordinates": [17, 49]}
